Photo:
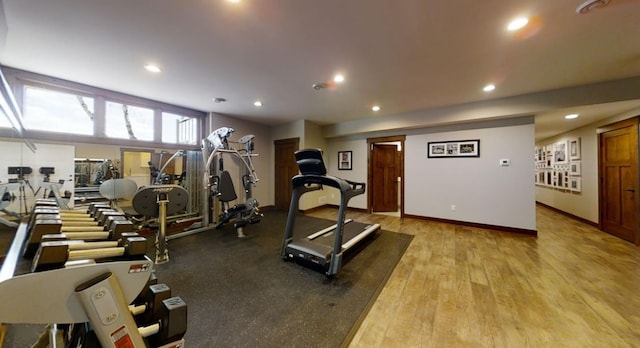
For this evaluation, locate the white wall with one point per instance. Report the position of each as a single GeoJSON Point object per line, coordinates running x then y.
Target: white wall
{"type": "Point", "coordinates": [358, 172]}
{"type": "Point", "coordinates": [481, 190]}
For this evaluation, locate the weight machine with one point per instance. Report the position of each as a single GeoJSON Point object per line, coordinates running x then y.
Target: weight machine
{"type": "Point", "coordinates": [6, 197]}
{"type": "Point", "coordinates": [159, 201]}
{"type": "Point", "coordinates": [23, 183]}
{"type": "Point", "coordinates": [220, 187]}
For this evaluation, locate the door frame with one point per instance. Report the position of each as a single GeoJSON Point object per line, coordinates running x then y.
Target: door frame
{"type": "Point", "coordinates": [370, 171]}
{"type": "Point", "coordinates": [635, 121]}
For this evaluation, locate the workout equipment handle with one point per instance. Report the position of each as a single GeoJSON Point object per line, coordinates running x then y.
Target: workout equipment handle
{"type": "Point", "coordinates": [357, 186]}
{"type": "Point", "coordinates": [147, 331]}
{"type": "Point", "coordinates": [95, 253]}
{"type": "Point", "coordinates": [93, 245]}
{"type": "Point", "coordinates": [87, 235]}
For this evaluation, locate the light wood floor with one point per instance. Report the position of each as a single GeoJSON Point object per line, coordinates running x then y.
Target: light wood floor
{"type": "Point", "coordinates": [572, 286]}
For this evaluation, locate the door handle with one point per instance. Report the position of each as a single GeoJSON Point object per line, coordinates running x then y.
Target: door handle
{"type": "Point", "coordinates": [630, 190]}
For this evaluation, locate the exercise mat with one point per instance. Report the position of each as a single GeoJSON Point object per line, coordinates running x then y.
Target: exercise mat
{"type": "Point", "coordinates": [240, 293]}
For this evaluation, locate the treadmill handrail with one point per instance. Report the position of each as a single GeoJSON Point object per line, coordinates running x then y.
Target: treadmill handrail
{"type": "Point", "coordinates": [352, 188]}
{"type": "Point", "coordinates": [356, 186]}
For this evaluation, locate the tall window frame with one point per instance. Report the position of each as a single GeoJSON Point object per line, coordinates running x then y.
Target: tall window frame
{"type": "Point", "coordinates": [20, 79]}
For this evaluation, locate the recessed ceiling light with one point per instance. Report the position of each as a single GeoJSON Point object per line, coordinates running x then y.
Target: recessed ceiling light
{"type": "Point", "coordinates": [591, 5]}
{"type": "Point", "coordinates": [257, 103]}
{"type": "Point", "coordinates": [153, 68]}
{"type": "Point", "coordinates": [571, 116]}
{"type": "Point", "coordinates": [375, 108]}
{"type": "Point", "coordinates": [517, 23]}
{"type": "Point", "coordinates": [339, 78]}
{"type": "Point", "coordinates": [234, 1]}
{"type": "Point", "coordinates": [489, 88]}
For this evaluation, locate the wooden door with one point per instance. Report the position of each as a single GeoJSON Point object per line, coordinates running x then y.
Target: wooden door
{"type": "Point", "coordinates": [385, 178]}
{"type": "Point", "coordinates": [285, 169]}
{"type": "Point", "coordinates": [377, 177]}
{"type": "Point", "coordinates": [619, 180]}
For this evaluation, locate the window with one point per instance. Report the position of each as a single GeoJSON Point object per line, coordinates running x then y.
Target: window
{"type": "Point", "coordinates": [4, 121]}
{"type": "Point", "coordinates": [128, 122]}
{"type": "Point", "coordinates": [178, 129]}
{"type": "Point", "coordinates": [54, 111]}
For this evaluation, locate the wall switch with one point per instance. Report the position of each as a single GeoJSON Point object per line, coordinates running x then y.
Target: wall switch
{"type": "Point", "coordinates": [453, 207]}
{"type": "Point", "coordinates": [505, 162]}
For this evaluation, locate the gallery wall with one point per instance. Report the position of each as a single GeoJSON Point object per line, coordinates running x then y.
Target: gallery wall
{"type": "Point", "coordinates": [583, 204]}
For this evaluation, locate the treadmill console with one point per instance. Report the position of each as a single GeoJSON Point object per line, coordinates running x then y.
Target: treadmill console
{"type": "Point", "coordinates": [310, 162]}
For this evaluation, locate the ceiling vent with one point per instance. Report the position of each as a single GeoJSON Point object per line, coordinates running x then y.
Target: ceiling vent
{"type": "Point", "coordinates": [591, 5]}
{"type": "Point", "coordinates": [319, 86]}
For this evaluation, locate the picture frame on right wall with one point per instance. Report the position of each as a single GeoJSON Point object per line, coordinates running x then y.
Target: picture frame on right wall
{"type": "Point", "coordinates": [575, 168]}
{"type": "Point", "coordinates": [345, 160]}
{"type": "Point", "coordinates": [575, 184]}
{"type": "Point", "coordinates": [574, 149]}
{"type": "Point", "coordinates": [560, 155]}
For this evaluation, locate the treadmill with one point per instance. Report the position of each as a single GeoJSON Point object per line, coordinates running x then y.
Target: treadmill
{"type": "Point", "coordinates": [325, 247]}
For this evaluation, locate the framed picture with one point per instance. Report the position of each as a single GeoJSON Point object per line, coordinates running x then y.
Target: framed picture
{"type": "Point", "coordinates": [574, 168]}
{"type": "Point", "coordinates": [560, 152]}
{"type": "Point", "coordinates": [457, 148]}
{"type": "Point", "coordinates": [344, 160]}
{"type": "Point", "coordinates": [575, 184]}
{"type": "Point", "coordinates": [574, 149]}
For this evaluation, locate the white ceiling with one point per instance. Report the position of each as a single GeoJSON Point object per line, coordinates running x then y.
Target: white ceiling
{"type": "Point", "coordinates": [404, 55]}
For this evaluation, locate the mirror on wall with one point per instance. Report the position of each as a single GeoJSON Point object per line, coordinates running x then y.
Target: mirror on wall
{"type": "Point", "coordinates": [27, 175]}
{"type": "Point", "coordinates": [89, 173]}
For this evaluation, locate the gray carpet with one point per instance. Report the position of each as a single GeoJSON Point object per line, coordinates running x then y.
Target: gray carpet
{"type": "Point", "coordinates": [240, 293]}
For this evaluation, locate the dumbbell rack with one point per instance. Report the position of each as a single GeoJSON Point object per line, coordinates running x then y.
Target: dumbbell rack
{"type": "Point", "coordinates": [98, 293]}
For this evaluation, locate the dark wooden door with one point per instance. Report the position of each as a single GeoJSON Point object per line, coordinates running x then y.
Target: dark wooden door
{"type": "Point", "coordinates": [619, 180]}
{"type": "Point", "coordinates": [285, 169]}
{"type": "Point", "coordinates": [385, 178]}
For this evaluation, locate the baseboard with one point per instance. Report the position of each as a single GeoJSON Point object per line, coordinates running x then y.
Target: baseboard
{"type": "Point", "coordinates": [477, 225]}
{"type": "Point", "coordinates": [569, 215]}
{"type": "Point", "coordinates": [267, 208]}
